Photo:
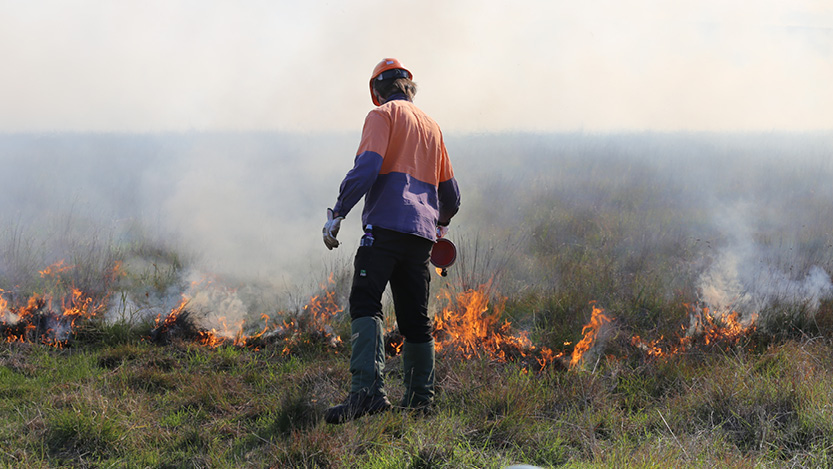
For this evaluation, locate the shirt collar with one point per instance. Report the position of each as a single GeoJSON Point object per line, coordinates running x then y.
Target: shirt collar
{"type": "Point", "coordinates": [398, 97]}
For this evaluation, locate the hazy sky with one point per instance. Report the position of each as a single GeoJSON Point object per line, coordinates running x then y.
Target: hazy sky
{"type": "Point", "coordinates": [482, 65]}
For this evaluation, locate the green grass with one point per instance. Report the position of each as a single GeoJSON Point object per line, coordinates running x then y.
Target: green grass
{"type": "Point", "coordinates": [183, 405]}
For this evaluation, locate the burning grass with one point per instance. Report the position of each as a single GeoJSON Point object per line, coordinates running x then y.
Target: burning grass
{"type": "Point", "coordinates": [256, 397]}
{"type": "Point", "coordinates": [706, 330]}
{"type": "Point", "coordinates": [307, 327]}
{"type": "Point", "coordinates": [56, 319]}
{"type": "Point", "coordinates": [45, 319]}
{"type": "Point", "coordinates": [469, 324]}
{"type": "Point", "coordinates": [227, 391]}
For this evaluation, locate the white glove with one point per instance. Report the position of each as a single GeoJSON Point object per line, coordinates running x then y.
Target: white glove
{"type": "Point", "coordinates": [442, 231]}
{"type": "Point", "coordinates": [331, 230]}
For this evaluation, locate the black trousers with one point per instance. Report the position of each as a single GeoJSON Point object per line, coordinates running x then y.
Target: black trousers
{"type": "Point", "coordinates": [401, 260]}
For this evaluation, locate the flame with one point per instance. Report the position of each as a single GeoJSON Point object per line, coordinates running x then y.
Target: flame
{"type": "Point", "coordinates": [55, 269]}
{"type": "Point", "coordinates": [234, 335]}
{"type": "Point", "coordinates": [4, 306]}
{"type": "Point", "coordinates": [321, 309]}
{"type": "Point", "coordinates": [725, 327]}
{"type": "Point", "coordinates": [171, 317]}
{"type": "Point", "coordinates": [652, 348]}
{"type": "Point", "coordinates": [394, 345]}
{"type": "Point", "coordinates": [79, 305]}
{"type": "Point", "coordinates": [470, 323]}
{"type": "Point", "coordinates": [589, 333]}
{"type": "Point", "coordinates": [704, 327]}
{"type": "Point", "coordinates": [547, 357]}
{"type": "Point", "coordinates": [40, 321]}
{"type": "Point", "coordinates": [115, 273]}
{"type": "Point", "coordinates": [313, 319]}
{"type": "Point", "coordinates": [470, 327]}
{"type": "Point", "coordinates": [17, 323]}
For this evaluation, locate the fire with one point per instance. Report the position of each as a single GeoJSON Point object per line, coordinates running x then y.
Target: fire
{"type": "Point", "coordinates": [311, 322]}
{"type": "Point", "coordinates": [466, 323]}
{"type": "Point", "coordinates": [115, 272]}
{"type": "Point", "coordinates": [548, 357]}
{"type": "Point", "coordinates": [172, 316]}
{"type": "Point", "coordinates": [589, 333]}
{"type": "Point", "coordinates": [704, 327]}
{"type": "Point", "coordinates": [40, 321]}
{"type": "Point", "coordinates": [79, 305]}
{"type": "Point", "coordinates": [394, 347]}
{"type": "Point", "coordinates": [724, 328]}
{"type": "Point", "coordinates": [17, 323]}
{"type": "Point", "coordinates": [652, 348]}
{"type": "Point", "coordinates": [4, 305]}
{"type": "Point", "coordinates": [234, 335]}
{"type": "Point", "coordinates": [55, 269]}
{"type": "Point", "coordinates": [470, 327]}
{"type": "Point", "coordinates": [470, 324]}
{"type": "Point", "coordinates": [321, 310]}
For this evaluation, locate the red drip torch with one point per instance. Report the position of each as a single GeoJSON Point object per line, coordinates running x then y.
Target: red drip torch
{"type": "Point", "coordinates": [443, 255]}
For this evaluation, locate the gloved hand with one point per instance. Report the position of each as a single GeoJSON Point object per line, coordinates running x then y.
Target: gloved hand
{"type": "Point", "coordinates": [331, 230]}
{"type": "Point", "coordinates": [442, 231]}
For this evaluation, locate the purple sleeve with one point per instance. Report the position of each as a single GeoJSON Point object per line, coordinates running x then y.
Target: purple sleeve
{"type": "Point", "coordinates": [357, 182]}
{"type": "Point", "coordinates": [448, 195]}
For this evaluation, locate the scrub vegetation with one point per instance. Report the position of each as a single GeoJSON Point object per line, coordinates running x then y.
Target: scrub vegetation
{"type": "Point", "coordinates": [653, 230]}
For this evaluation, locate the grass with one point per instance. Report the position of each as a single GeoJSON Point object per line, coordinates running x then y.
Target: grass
{"type": "Point", "coordinates": [636, 234]}
{"type": "Point", "coordinates": [182, 405]}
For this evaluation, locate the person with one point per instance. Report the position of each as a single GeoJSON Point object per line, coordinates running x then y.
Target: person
{"type": "Point", "coordinates": [403, 172]}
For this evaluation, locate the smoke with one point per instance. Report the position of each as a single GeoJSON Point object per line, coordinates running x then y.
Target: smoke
{"type": "Point", "coordinates": [538, 65]}
{"type": "Point", "coordinates": [223, 308]}
{"type": "Point", "coordinates": [746, 276]}
{"type": "Point", "coordinates": [248, 207]}
{"type": "Point", "coordinates": [233, 220]}
{"type": "Point", "coordinates": [740, 220]}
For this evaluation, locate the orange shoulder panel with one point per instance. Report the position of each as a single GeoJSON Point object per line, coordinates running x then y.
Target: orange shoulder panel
{"type": "Point", "coordinates": [375, 134]}
{"type": "Point", "coordinates": [409, 141]}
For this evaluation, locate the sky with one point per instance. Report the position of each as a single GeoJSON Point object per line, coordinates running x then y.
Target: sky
{"type": "Point", "coordinates": [481, 65]}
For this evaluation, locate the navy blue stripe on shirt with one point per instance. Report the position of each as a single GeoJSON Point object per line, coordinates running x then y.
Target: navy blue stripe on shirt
{"type": "Point", "coordinates": [358, 181]}
{"type": "Point", "coordinates": [400, 202]}
{"type": "Point", "coordinates": [449, 197]}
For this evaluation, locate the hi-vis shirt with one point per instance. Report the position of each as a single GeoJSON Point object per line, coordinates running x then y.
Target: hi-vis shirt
{"type": "Point", "coordinates": [402, 169]}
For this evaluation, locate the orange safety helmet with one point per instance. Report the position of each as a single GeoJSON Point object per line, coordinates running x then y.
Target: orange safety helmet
{"type": "Point", "coordinates": [382, 67]}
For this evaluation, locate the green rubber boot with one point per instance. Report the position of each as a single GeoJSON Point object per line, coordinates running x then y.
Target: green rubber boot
{"type": "Point", "coordinates": [367, 361]}
{"type": "Point", "coordinates": [367, 364]}
{"type": "Point", "coordinates": [418, 369]}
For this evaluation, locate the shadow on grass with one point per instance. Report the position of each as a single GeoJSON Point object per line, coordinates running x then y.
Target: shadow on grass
{"type": "Point", "coordinates": [75, 434]}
